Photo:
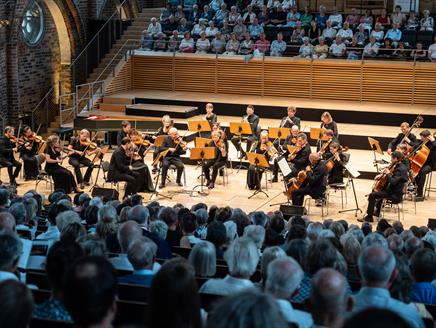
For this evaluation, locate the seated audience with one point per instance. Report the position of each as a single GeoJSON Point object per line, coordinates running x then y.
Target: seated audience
{"type": "Point", "coordinates": [306, 49]}
{"type": "Point", "coordinates": [371, 49]}
{"type": "Point", "coordinates": [249, 16]}
{"type": "Point", "coordinates": [174, 42]}
{"type": "Point", "coordinates": [246, 46]}
{"type": "Point", "coordinates": [240, 29]}
{"type": "Point", "coordinates": [154, 28]}
{"type": "Point", "coordinates": [10, 252]}
{"type": "Point", "coordinates": [423, 267]}
{"type": "Point", "coordinates": [432, 51]}
{"type": "Point", "coordinates": [16, 303]}
{"type": "Point", "coordinates": [233, 45]}
{"type": "Point", "coordinates": [160, 44]}
{"type": "Point", "coordinates": [203, 259]}
{"type": "Point", "coordinates": [321, 50]}
{"type": "Point", "coordinates": [278, 47]}
{"type": "Point", "coordinates": [203, 44]}
{"type": "Point", "coordinates": [298, 34]}
{"type": "Point", "coordinates": [346, 33]}
{"type": "Point", "coordinates": [262, 45]}
{"type": "Point", "coordinates": [335, 19]}
{"type": "Point", "coordinates": [384, 20]}
{"type": "Point", "coordinates": [394, 34]}
{"type": "Point", "coordinates": [427, 22]}
{"type": "Point", "coordinates": [378, 33]}
{"type": "Point", "coordinates": [293, 17]}
{"type": "Point", "coordinates": [329, 33]}
{"type": "Point", "coordinates": [255, 29]}
{"type": "Point", "coordinates": [338, 48]}
{"type": "Point", "coordinates": [187, 43]}
{"type": "Point", "coordinates": [183, 26]}
{"type": "Point", "coordinates": [211, 30]}
{"type": "Point", "coordinates": [419, 53]}
{"type": "Point", "coordinates": [353, 19]}
{"type": "Point", "coordinates": [397, 16]}
{"type": "Point", "coordinates": [199, 28]}
{"type": "Point", "coordinates": [218, 44]}
{"type": "Point", "coordinates": [412, 22]}
{"type": "Point", "coordinates": [376, 317]}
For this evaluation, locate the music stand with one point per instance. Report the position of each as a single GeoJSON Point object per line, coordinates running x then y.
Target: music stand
{"type": "Point", "coordinates": [317, 134]}
{"type": "Point", "coordinates": [240, 128]}
{"type": "Point", "coordinates": [157, 162]}
{"type": "Point", "coordinates": [202, 154]}
{"type": "Point", "coordinates": [259, 161]}
{"type": "Point", "coordinates": [352, 174]}
{"type": "Point", "coordinates": [199, 126]}
{"type": "Point", "coordinates": [279, 133]}
{"type": "Point", "coordinates": [99, 155]}
{"type": "Point", "coordinates": [159, 140]}
{"type": "Point", "coordinates": [375, 147]}
{"type": "Point", "coordinates": [286, 170]}
{"type": "Point", "coordinates": [201, 142]}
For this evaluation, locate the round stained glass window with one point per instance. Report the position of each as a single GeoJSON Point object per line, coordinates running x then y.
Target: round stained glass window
{"type": "Point", "coordinates": [32, 25]}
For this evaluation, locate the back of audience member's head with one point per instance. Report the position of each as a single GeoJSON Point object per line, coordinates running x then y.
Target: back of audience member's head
{"type": "Point", "coordinates": [59, 258]}
{"type": "Point", "coordinates": [242, 257]}
{"type": "Point", "coordinates": [313, 230]}
{"type": "Point", "coordinates": [4, 197]}
{"type": "Point", "coordinates": [358, 234]}
{"type": "Point", "coordinates": [272, 238]}
{"type": "Point", "coordinates": [401, 286]}
{"type": "Point", "coordinates": [31, 207]}
{"type": "Point", "coordinates": [351, 248]}
{"type": "Point", "coordinates": [19, 212]}
{"type": "Point", "coordinates": [55, 196]}
{"type": "Point", "coordinates": [174, 299]}
{"type": "Point", "coordinates": [269, 255]}
{"type": "Point", "coordinates": [411, 245]}
{"type": "Point", "coordinates": [10, 250]}
{"type": "Point", "coordinates": [376, 318]}
{"type": "Point", "coordinates": [276, 222]}
{"type": "Point", "coordinates": [159, 228]}
{"type": "Point", "coordinates": [217, 234]}
{"type": "Point", "coordinates": [284, 277]}
{"type": "Point", "coordinates": [326, 234]}
{"type": "Point", "coordinates": [249, 308]}
{"type": "Point", "coordinates": [96, 201]}
{"type": "Point", "coordinates": [66, 217]}
{"type": "Point", "coordinates": [201, 216]}
{"type": "Point", "coordinates": [90, 215]}
{"type": "Point", "coordinates": [382, 225]}
{"type": "Point", "coordinates": [7, 220]}
{"type": "Point", "coordinates": [259, 218]}
{"type": "Point", "coordinates": [198, 206]}
{"type": "Point", "coordinates": [423, 265]}
{"type": "Point", "coordinates": [344, 224]}
{"type": "Point", "coordinates": [92, 245]}
{"type": "Point", "coordinates": [203, 259]}
{"type": "Point", "coordinates": [137, 199]}
{"type": "Point", "coordinates": [376, 265]}
{"type": "Point", "coordinates": [72, 231]}
{"type": "Point", "coordinates": [406, 234]}
{"type": "Point", "coordinates": [374, 239]}
{"type": "Point", "coordinates": [105, 227]}
{"type": "Point", "coordinates": [142, 253]}
{"type": "Point", "coordinates": [241, 219]}
{"type": "Point", "coordinates": [107, 212]}
{"type": "Point", "coordinates": [16, 302]}
{"type": "Point", "coordinates": [223, 214]}
{"type": "Point", "coordinates": [430, 238]}
{"type": "Point", "coordinates": [211, 213]}
{"type": "Point", "coordinates": [139, 214]}
{"type": "Point", "coordinates": [366, 228]}
{"type": "Point", "coordinates": [296, 231]}
{"type": "Point", "coordinates": [256, 233]}
{"type": "Point", "coordinates": [398, 226]}
{"type": "Point", "coordinates": [128, 232]}
{"type": "Point", "coordinates": [124, 214]}
{"type": "Point", "coordinates": [297, 249]}
{"type": "Point", "coordinates": [395, 243]}
{"type": "Point", "coordinates": [337, 228]}
{"type": "Point", "coordinates": [327, 223]}
{"type": "Point", "coordinates": [90, 289]}
{"type": "Point", "coordinates": [320, 254]}
{"type": "Point", "coordinates": [188, 223]}
{"type": "Point", "coordinates": [168, 215]}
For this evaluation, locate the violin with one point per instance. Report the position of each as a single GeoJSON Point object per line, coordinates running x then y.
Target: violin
{"type": "Point", "coordinates": [269, 148]}
{"type": "Point", "coordinates": [292, 155]}
{"type": "Point", "coordinates": [330, 162]}
{"type": "Point", "coordinates": [325, 146]}
{"type": "Point", "coordinates": [179, 142]}
{"type": "Point", "coordinates": [89, 144]}
{"type": "Point", "coordinates": [132, 152]}
{"type": "Point", "coordinates": [222, 147]}
{"type": "Point", "coordinates": [35, 138]}
{"type": "Point", "coordinates": [138, 140]}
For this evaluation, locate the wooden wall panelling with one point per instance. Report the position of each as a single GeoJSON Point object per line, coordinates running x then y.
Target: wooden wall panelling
{"type": "Point", "coordinates": [152, 72]}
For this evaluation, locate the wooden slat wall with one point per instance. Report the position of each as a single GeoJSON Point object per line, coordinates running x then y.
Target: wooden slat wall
{"type": "Point", "coordinates": [378, 81]}
{"type": "Point", "coordinates": [122, 81]}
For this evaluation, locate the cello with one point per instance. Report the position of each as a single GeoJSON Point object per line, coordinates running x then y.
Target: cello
{"type": "Point", "coordinates": [297, 182]}
{"type": "Point", "coordinates": [382, 180]}
{"type": "Point", "coordinates": [418, 158]}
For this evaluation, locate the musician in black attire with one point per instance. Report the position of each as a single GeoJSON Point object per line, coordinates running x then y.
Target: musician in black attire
{"type": "Point", "coordinates": [324, 148]}
{"type": "Point", "coordinates": [167, 124]}
{"type": "Point", "coordinates": [336, 174]}
{"type": "Point", "coordinates": [328, 123]}
{"type": "Point", "coordinates": [430, 164]}
{"type": "Point", "coordinates": [210, 116]}
{"type": "Point", "coordinates": [254, 176]}
{"type": "Point", "coordinates": [176, 147]}
{"type": "Point", "coordinates": [253, 119]}
{"type": "Point", "coordinates": [121, 170]}
{"type": "Point", "coordinates": [7, 159]}
{"type": "Point", "coordinates": [63, 179]}
{"type": "Point", "coordinates": [124, 132]}
{"type": "Point", "coordinates": [290, 120]}
{"type": "Point", "coordinates": [290, 140]}
{"type": "Point", "coordinates": [28, 152]}
{"type": "Point", "coordinates": [220, 159]}
{"type": "Point", "coordinates": [300, 159]}
{"type": "Point", "coordinates": [137, 153]}
{"type": "Point", "coordinates": [80, 149]}
{"type": "Point", "coordinates": [315, 184]}
{"type": "Point", "coordinates": [410, 139]}
{"type": "Point", "coordinates": [393, 190]}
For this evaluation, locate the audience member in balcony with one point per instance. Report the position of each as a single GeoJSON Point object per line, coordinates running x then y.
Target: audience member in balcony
{"type": "Point", "coordinates": [346, 33]}
{"type": "Point", "coordinates": [337, 48]}
{"type": "Point", "coordinates": [306, 49]}
{"type": "Point", "coordinates": [187, 43]}
{"type": "Point", "coordinates": [233, 45]}
{"type": "Point", "coordinates": [354, 50]}
{"type": "Point", "coordinates": [423, 267]}
{"type": "Point", "coordinates": [198, 28]}
{"type": "Point", "coordinates": [321, 50]}
{"type": "Point", "coordinates": [401, 52]}
{"type": "Point", "coordinates": [394, 34]}
{"type": "Point", "coordinates": [183, 26]}
{"type": "Point", "coordinates": [242, 258]}
{"type": "Point", "coordinates": [194, 15]}
{"type": "Point", "coordinates": [174, 42]}
{"type": "Point", "coordinates": [146, 41]}
{"type": "Point", "coordinates": [378, 33]}
{"type": "Point", "coordinates": [432, 51]}
{"type": "Point", "coordinates": [283, 280]}
{"type": "Point", "coordinates": [278, 16]}
{"type": "Point", "coordinates": [166, 13]}
{"type": "Point", "coordinates": [249, 15]}
{"type": "Point", "coordinates": [188, 6]}
{"type": "Point", "coordinates": [215, 5]}
{"type": "Point", "coordinates": [353, 19]}
{"type": "Point", "coordinates": [387, 50]}
{"type": "Point", "coordinates": [221, 15]}
{"type": "Point", "coordinates": [218, 44]}
{"type": "Point", "coordinates": [211, 30]}
{"type": "Point", "coordinates": [160, 44]}
{"type": "Point", "coordinates": [314, 32]}
{"type": "Point", "coordinates": [154, 28]}
{"type": "Point", "coordinates": [179, 14]}
{"type": "Point", "coordinates": [329, 33]}
{"type": "Point", "coordinates": [16, 302]}
{"type": "Point", "coordinates": [203, 259]}
{"type": "Point", "coordinates": [247, 45]}
{"type": "Point", "coordinates": [336, 18]}
{"type": "Point", "coordinates": [207, 13]}
{"type": "Point", "coordinates": [321, 17]}
{"type": "Point", "coordinates": [398, 17]}
{"type": "Point", "coordinates": [263, 16]}
{"type": "Point", "coordinates": [371, 49]}
{"type": "Point", "coordinates": [361, 35]}
{"type": "Point", "coordinates": [233, 15]}
{"type": "Point", "coordinates": [240, 29]}
{"type": "Point", "coordinates": [170, 26]}
{"type": "Point", "coordinates": [293, 17]}
{"type": "Point", "coordinates": [203, 44]}
{"type": "Point", "coordinates": [287, 4]}
{"type": "Point", "coordinates": [419, 53]}
{"type": "Point", "coordinates": [278, 47]}
{"type": "Point", "coordinates": [226, 30]}
{"type": "Point", "coordinates": [257, 4]}
{"type": "Point", "coordinates": [255, 29]}
{"type": "Point", "coordinates": [297, 34]}
{"type": "Point", "coordinates": [427, 22]}
{"type": "Point", "coordinates": [262, 45]}
{"type": "Point", "coordinates": [384, 20]}
{"type": "Point", "coordinates": [412, 22]}
{"type": "Point", "coordinates": [367, 20]}
{"type": "Point", "coordinates": [306, 17]}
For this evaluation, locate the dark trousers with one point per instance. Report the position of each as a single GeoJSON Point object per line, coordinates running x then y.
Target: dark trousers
{"type": "Point", "coordinates": [298, 195]}
{"type": "Point", "coordinates": [215, 166]}
{"type": "Point", "coordinates": [10, 164]}
{"type": "Point", "coordinates": [374, 202]}
{"type": "Point", "coordinates": [132, 181]}
{"type": "Point", "coordinates": [75, 162]}
{"type": "Point", "coordinates": [31, 164]}
{"type": "Point", "coordinates": [420, 179]}
{"type": "Point", "coordinates": [177, 162]}
{"type": "Point", "coordinates": [236, 142]}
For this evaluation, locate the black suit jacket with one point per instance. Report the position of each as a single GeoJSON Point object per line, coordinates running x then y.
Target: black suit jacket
{"type": "Point", "coordinates": [396, 141]}
{"type": "Point", "coordinates": [431, 159]}
{"type": "Point", "coordinates": [6, 148]}
{"type": "Point", "coordinates": [331, 126]}
{"type": "Point", "coordinates": [120, 136]}
{"type": "Point", "coordinates": [295, 121]}
{"type": "Point", "coordinates": [169, 143]}
{"type": "Point", "coordinates": [316, 179]}
{"type": "Point", "coordinates": [302, 159]}
{"type": "Point", "coordinates": [396, 181]}
{"type": "Point", "coordinates": [119, 164]}
{"type": "Point", "coordinates": [254, 123]}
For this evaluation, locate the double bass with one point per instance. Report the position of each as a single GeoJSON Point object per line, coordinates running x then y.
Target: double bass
{"type": "Point", "coordinates": [418, 158]}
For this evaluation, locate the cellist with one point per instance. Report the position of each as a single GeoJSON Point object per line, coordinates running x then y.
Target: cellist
{"type": "Point", "coordinates": [395, 176]}
{"type": "Point", "coordinates": [429, 165]}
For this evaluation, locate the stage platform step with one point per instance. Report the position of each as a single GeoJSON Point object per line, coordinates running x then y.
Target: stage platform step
{"type": "Point", "coordinates": [158, 110]}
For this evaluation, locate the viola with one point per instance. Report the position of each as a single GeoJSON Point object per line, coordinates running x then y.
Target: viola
{"type": "Point", "coordinates": [89, 144]}
{"type": "Point", "coordinates": [36, 138]}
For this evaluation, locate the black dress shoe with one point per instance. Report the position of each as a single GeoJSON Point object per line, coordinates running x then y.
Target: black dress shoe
{"type": "Point", "coordinates": [86, 183]}
{"type": "Point", "coordinates": [161, 186]}
{"type": "Point", "coordinates": [179, 184]}
{"type": "Point", "coordinates": [366, 218]}
{"type": "Point", "coordinates": [208, 182]}
{"type": "Point", "coordinates": [211, 186]}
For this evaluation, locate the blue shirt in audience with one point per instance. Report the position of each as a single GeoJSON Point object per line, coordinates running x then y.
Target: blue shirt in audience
{"type": "Point", "coordinates": [52, 309]}
{"type": "Point", "coordinates": [139, 277]}
{"type": "Point", "coordinates": [424, 292]}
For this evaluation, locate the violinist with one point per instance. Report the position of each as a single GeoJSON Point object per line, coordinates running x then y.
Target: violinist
{"type": "Point", "coordinates": [430, 163]}
{"type": "Point", "coordinates": [124, 132]}
{"type": "Point", "coordinates": [290, 120]}
{"type": "Point", "coordinates": [220, 158]}
{"type": "Point", "coordinates": [254, 175]}
{"type": "Point", "coordinates": [137, 153]}
{"type": "Point", "coordinates": [290, 140]}
{"type": "Point", "coordinates": [337, 160]}
{"type": "Point", "coordinates": [404, 136]}
{"type": "Point", "coordinates": [167, 124]}
{"type": "Point", "coordinates": [120, 168]}
{"type": "Point", "coordinates": [210, 116]}
{"type": "Point", "coordinates": [253, 119]}
{"type": "Point", "coordinates": [324, 147]}
{"type": "Point", "coordinates": [29, 153]}
{"type": "Point", "coordinates": [328, 123]}
{"type": "Point", "coordinates": [396, 176]}
{"type": "Point", "coordinates": [8, 144]}
{"type": "Point", "coordinates": [176, 147]}
{"type": "Point", "coordinates": [63, 179]}
{"type": "Point", "coordinates": [299, 159]}
{"type": "Point", "coordinates": [78, 149]}
{"type": "Point", "coordinates": [314, 185]}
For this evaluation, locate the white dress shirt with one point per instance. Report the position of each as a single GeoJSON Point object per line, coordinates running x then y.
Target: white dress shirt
{"type": "Point", "coordinates": [51, 233]}
{"type": "Point", "coordinates": [225, 286]}
{"type": "Point", "coordinates": [301, 318]}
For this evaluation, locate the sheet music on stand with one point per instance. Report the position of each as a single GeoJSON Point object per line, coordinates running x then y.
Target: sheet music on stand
{"type": "Point", "coordinates": [284, 166]}
{"type": "Point", "coordinates": [353, 171]}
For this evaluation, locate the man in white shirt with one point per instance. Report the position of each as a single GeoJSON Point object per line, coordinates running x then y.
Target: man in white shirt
{"type": "Point", "coordinates": [10, 251]}
{"type": "Point", "coordinates": [255, 29]}
{"type": "Point", "coordinates": [338, 48]}
{"type": "Point", "coordinates": [432, 51]}
{"type": "Point", "coordinates": [377, 271]}
{"type": "Point", "coordinates": [218, 45]}
{"type": "Point", "coordinates": [336, 18]}
{"type": "Point", "coordinates": [154, 28]}
{"type": "Point", "coordinates": [284, 276]}
{"type": "Point", "coordinates": [242, 258]}
{"type": "Point", "coordinates": [329, 33]}
{"type": "Point", "coordinates": [371, 49]}
{"type": "Point", "coordinates": [346, 33]}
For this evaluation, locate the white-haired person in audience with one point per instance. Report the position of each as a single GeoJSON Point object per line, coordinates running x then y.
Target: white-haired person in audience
{"type": "Point", "coordinates": [211, 30]}
{"type": "Point", "coordinates": [10, 251]}
{"type": "Point", "coordinates": [313, 231]}
{"type": "Point", "coordinates": [257, 234]}
{"type": "Point", "coordinates": [306, 49]}
{"type": "Point", "coordinates": [179, 14]}
{"type": "Point", "coordinates": [154, 28]}
{"type": "Point", "coordinates": [141, 255]}
{"type": "Point", "coordinates": [198, 28]}
{"type": "Point", "coordinates": [249, 16]}
{"type": "Point", "coordinates": [329, 298]}
{"type": "Point", "coordinates": [173, 42]}
{"type": "Point", "coordinates": [329, 33]}
{"type": "Point", "coordinates": [394, 34]}
{"type": "Point", "coordinates": [246, 46]}
{"type": "Point", "coordinates": [432, 51]}
{"type": "Point", "coordinates": [427, 21]}
{"type": "Point", "coordinates": [378, 32]}
{"type": "Point", "coordinates": [203, 259]}
{"type": "Point", "coordinates": [203, 44]}
{"type": "Point", "coordinates": [346, 33]}
{"type": "Point", "coordinates": [278, 47]}
{"type": "Point", "coordinates": [255, 29]}
{"type": "Point", "coordinates": [371, 49]}
{"type": "Point", "coordinates": [283, 280]}
{"type": "Point", "coordinates": [187, 43]}
{"type": "Point", "coordinates": [269, 255]}
{"type": "Point", "coordinates": [159, 228]}
{"type": "Point", "coordinates": [233, 15]}
{"type": "Point", "coordinates": [183, 26]}
{"type": "Point", "coordinates": [337, 48]}
{"type": "Point", "coordinates": [207, 14]}
{"type": "Point", "coordinates": [321, 50]}
{"type": "Point", "coordinates": [160, 44]}
{"type": "Point", "coordinates": [231, 231]}
{"type": "Point", "coordinates": [23, 224]}
{"type": "Point", "coordinates": [221, 15]}
{"type": "Point", "coordinates": [242, 258]}
{"type": "Point", "coordinates": [232, 46]}
{"type": "Point", "coordinates": [240, 29]}
{"type": "Point", "coordinates": [127, 234]}
{"type": "Point", "coordinates": [361, 35]}
{"type": "Point", "coordinates": [377, 271]}
{"type": "Point", "coordinates": [335, 18]}
{"type": "Point", "coordinates": [218, 44]}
